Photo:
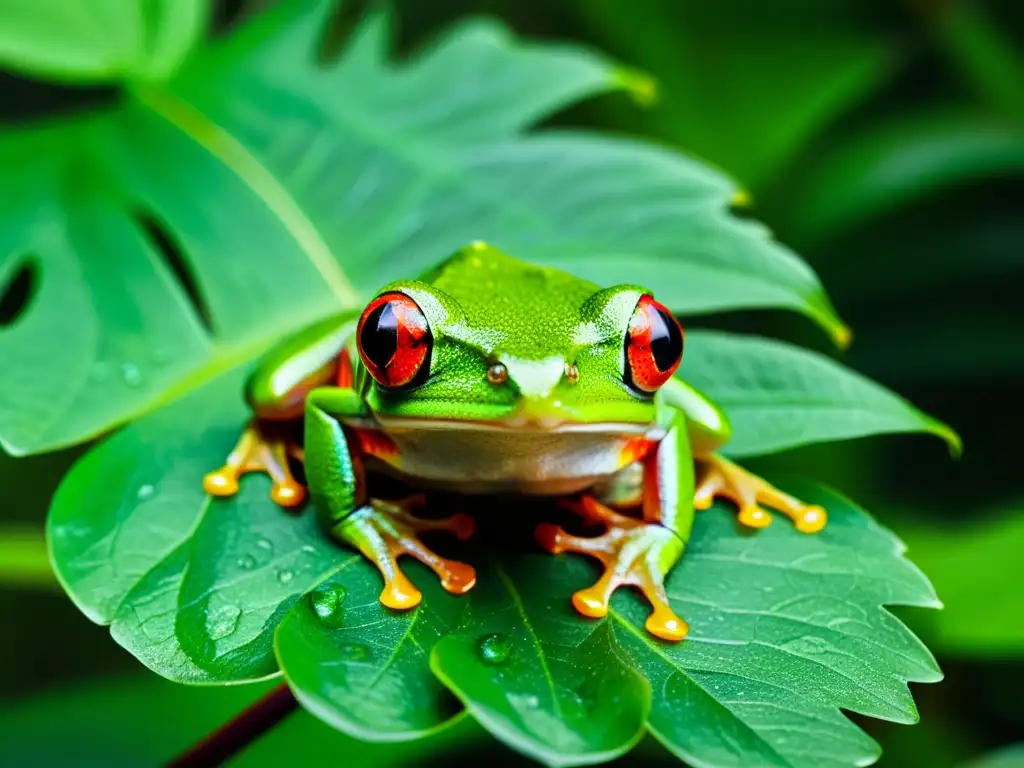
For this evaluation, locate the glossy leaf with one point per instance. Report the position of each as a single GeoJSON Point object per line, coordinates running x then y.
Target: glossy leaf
{"type": "Point", "coordinates": [99, 40]}
{"type": "Point", "coordinates": [197, 588]}
{"type": "Point", "coordinates": [551, 685]}
{"type": "Point", "coordinates": [361, 668]}
{"type": "Point", "coordinates": [780, 396]}
{"type": "Point", "coordinates": [257, 175]}
{"type": "Point", "coordinates": [193, 586]}
{"type": "Point", "coordinates": [900, 161]}
{"type": "Point", "coordinates": [785, 630]}
{"type": "Point", "coordinates": [742, 84]}
{"type": "Point", "coordinates": [977, 572]}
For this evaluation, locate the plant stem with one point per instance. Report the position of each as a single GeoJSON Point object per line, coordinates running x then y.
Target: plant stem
{"type": "Point", "coordinates": [24, 561]}
{"type": "Point", "coordinates": [238, 733]}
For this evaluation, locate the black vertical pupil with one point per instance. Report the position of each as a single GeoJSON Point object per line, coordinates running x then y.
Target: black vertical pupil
{"type": "Point", "coordinates": [666, 340]}
{"type": "Point", "coordinates": [379, 338]}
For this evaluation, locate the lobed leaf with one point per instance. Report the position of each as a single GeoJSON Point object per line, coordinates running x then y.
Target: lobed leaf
{"type": "Point", "coordinates": [786, 629]}
{"type": "Point", "coordinates": [259, 173]}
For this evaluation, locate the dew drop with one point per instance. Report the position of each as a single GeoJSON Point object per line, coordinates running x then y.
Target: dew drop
{"type": "Point", "coordinates": [285, 576]}
{"type": "Point", "coordinates": [264, 544]}
{"type": "Point", "coordinates": [160, 357]}
{"type": "Point", "coordinates": [223, 621]}
{"type": "Point", "coordinates": [354, 652]}
{"type": "Point", "coordinates": [494, 649]}
{"type": "Point", "coordinates": [146, 491]}
{"type": "Point", "coordinates": [309, 549]}
{"type": "Point", "coordinates": [808, 644]}
{"type": "Point", "coordinates": [327, 604]}
{"type": "Point", "coordinates": [131, 374]}
{"type": "Point", "coordinates": [247, 562]}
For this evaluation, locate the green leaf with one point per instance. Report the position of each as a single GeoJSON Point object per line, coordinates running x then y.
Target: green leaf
{"type": "Point", "coordinates": [786, 629]}
{"type": "Point", "coordinates": [973, 571]}
{"type": "Point", "coordinates": [557, 690]}
{"type": "Point", "coordinates": [197, 588]}
{"type": "Point", "coordinates": [193, 586]}
{"type": "Point", "coordinates": [99, 41]}
{"type": "Point", "coordinates": [361, 668]}
{"type": "Point", "coordinates": [267, 172]}
{"type": "Point", "coordinates": [743, 84]}
{"type": "Point", "coordinates": [779, 396]}
{"type": "Point", "coordinates": [899, 161]}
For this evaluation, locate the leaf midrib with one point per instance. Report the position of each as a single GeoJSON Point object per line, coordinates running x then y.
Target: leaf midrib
{"type": "Point", "coordinates": [230, 152]}
{"type": "Point", "coordinates": [645, 640]}
{"type": "Point", "coordinates": [520, 607]}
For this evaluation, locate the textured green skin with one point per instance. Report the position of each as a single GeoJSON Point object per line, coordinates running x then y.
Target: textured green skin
{"type": "Point", "coordinates": [484, 307]}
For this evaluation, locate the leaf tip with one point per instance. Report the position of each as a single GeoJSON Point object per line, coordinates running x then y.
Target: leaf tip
{"type": "Point", "coordinates": [842, 336]}
{"type": "Point", "coordinates": [741, 198]}
{"type": "Point", "coordinates": [638, 84]}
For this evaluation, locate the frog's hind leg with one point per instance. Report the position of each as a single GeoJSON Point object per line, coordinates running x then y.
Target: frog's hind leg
{"type": "Point", "coordinates": [385, 530]}
{"type": "Point", "coordinates": [257, 451]}
{"type": "Point", "coordinates": [719, 477]}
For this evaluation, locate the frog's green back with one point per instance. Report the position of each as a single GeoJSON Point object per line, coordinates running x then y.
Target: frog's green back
{"type": "Point", "coordinates": [537, 308]}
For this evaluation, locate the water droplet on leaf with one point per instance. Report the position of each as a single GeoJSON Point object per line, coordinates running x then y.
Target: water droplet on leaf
{"type": "Point", "coordinates": [131, 374]}
{"type": "Point", "coordinates": [285, 576]}
{"type": "Point", "coordinates": [327, 601]}
{"type": "Point", "coordinates": [354, 652]}
{"type": "Point", "coordinates": [494, 649]}
{"type": "Point", "coordinates": [223, 621]}
{"type": "Point", "coordinates": [264, 544]}
{"type": "Point", "coordinates": [247, 562]}
{"type": "Point", "coordinates": [145, 492]}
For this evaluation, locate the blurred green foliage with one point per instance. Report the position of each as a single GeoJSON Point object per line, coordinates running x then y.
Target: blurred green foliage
{"type": "Point", "coordinates": [884, 141]}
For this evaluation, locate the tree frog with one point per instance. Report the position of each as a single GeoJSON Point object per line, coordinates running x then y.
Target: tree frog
{"type": "Point", "coordinates": [492, 375]}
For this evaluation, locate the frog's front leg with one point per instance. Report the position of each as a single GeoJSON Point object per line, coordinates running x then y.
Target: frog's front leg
{"type": "Point", "coordinates": [717, 477]}
{"type": "Point", "coordinates": [381, 530]}
{"type": "Point", "coordinates": [637, 552]}
{"type": "Point", "coordinates": [259, 451]}
{"type": "Point", "coordinates": [275, 393]}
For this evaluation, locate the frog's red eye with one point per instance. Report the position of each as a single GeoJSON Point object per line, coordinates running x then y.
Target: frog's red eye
{"type": "Point", "coordinates": [394, 341]}
{"type": "Point", "coordinates": [654, 346]}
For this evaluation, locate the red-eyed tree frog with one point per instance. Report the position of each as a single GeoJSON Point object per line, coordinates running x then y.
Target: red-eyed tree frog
{"type": "Point", "coordinates": [491, 375]}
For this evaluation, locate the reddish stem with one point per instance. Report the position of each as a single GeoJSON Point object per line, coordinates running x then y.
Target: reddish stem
{"type": "Point", "coordinates": [239, 732]}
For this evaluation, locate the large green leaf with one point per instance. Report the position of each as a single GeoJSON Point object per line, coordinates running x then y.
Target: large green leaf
{"type": "Point", "coordinates": [197, 589]}
{"type": "Point", "coordinates": [744, 84]}
{"type": "Point", "coordinates": [779, 396]}
{"type": "Point", "coordinates": [270, 172]}
{"type": "Point", "coordinates": [548, 683]}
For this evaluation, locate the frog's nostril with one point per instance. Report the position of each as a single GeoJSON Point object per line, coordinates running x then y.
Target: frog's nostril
{"type": "Point", "coordinates": [497, 374]}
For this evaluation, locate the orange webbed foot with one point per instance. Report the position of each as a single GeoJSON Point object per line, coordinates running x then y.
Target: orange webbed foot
{"type": "Point", "coordinates": [385, 531]}
{"type": "Point", "coordinates": [633, 553]}
{"type": "Point", "coordinates": [257, 453]}
{"type": "Point", "coordinates": [719, 477]}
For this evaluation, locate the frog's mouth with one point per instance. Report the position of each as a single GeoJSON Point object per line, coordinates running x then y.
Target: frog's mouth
{"type": "Point", "coordinates": [520, 423]}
